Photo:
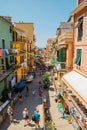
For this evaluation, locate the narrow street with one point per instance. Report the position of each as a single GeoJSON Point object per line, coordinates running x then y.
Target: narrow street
{"type": "Point", "coordinates": [31, 102]}
{"type": "Point", "coordinates": [35, 101]}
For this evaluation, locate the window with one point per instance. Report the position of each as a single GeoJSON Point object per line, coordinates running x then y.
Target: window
{"type": "Point", "coordinates": [3, 44]}
{"type": "Point", "coordinates": [11, 59]}
{"type": "Point", "coordinates": [80, 28]}
{"type": "Point", "coordinates": [10, 29]}
{"type": "Point", "coordinates": [78, 57]}
{"type": "Point", "coordinates": [61, 54]}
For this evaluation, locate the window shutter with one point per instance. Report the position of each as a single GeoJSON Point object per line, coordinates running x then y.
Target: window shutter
{"type": "Point", "coordinates": [78, 57]}
{"type": "Point", "coordinates": [62, 55]}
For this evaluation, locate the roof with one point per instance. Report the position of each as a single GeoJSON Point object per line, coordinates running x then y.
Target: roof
{"type": "Point", "coordinates": [65, 25]}
{"type": "Point", "coordinates": [23, 22]}
{"type": "Point", "coordinates": [6, 19]}
{"type": "Point", "coordinates": [79, 7]}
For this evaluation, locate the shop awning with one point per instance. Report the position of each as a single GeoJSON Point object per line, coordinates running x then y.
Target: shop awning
{"type": "Point", "coordinates": [20, 33]}
{"type": "Point", "coordinates": [78, 83]}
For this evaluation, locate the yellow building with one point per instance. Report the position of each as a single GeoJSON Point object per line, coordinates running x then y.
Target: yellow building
{"type": "Point", "coordinates": [28, 28]}
{"type": "Point", "coordinates": [18, 46]}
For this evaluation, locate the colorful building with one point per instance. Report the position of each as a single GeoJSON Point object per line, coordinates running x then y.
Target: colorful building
{"type": "Point", "coordinates": [28, 28]}
{"type": "Point", "coordinates": [16, 53]}
{"type": "Point", "coordinates": [5, 32]}
{"type": "Point", "coordinates": [7, 60]}
{"type": "Point", "coordinates": [18, 46]}
{"type": "Point", "coordinates": [65, 46]}
{"type": "Point", "coordinates": [74, 83]}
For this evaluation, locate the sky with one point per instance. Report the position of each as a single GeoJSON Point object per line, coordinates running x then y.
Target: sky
{"type": "Point", "coordinates": [45, 14]}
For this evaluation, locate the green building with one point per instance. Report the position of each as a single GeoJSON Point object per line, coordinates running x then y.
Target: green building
{"type": "Point", "coordinates": [6, 58]}
{"type": "Point", "coordinates": [5, 32]}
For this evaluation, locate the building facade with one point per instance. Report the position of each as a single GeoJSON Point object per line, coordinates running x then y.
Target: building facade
{"type": "Point", "coordinates": [74, 82]}
{"type": "Point", "coordinates": [18, 45]}
{"type": "Point", "coordinates": [28, 28]}
{"type": "Point", "coordinates": [5, 32]}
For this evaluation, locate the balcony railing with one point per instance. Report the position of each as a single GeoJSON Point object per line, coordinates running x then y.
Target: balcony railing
{"type": "Point", "coordinates": [6, 62]}
{"type": "Point", "coordinates": [61, 66]}
{"type": "Point", "coordinates": [68, 35]}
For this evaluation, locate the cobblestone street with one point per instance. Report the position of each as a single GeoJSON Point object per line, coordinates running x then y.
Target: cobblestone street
{"type": "Point", "coordinates": [31, 102]}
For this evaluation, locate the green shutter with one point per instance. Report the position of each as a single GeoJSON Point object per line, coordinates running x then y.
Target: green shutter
{"type": "Point", "coordinates": [62, 55]}
{"type": "Point", "coordinates": [1, 88]}
{"type": "Point", "coordinates": [78, 57]}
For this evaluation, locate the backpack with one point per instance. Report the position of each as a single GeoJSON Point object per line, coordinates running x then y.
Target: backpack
{"type": "Point", "coordinates": [33, 118]}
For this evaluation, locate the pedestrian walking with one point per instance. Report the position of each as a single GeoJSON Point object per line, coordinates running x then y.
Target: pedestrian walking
{"type": "Point", "coordinates": [33, 92]}
{"type": "Point", "coordinates": [10, 113]}
{"type": "Point", "coordinates": [36, 118]}
{"type": "Point", "coordinates": [26, 116]}
{"type": "Point", "coordinates": [40, 82]}
{"type": "Point", "coordinates": [40, 91]}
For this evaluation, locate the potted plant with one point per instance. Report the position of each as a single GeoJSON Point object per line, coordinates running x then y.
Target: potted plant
{"type": "Point", "coordinates": [50, 125]}
{"type": "Point", "coordinates": [46, 79]}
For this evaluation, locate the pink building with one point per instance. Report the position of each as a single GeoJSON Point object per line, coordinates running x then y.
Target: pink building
{"type": "Point", "coordinates": [80, 36]}
{"type": "Point", "coordinates": [74, 83]}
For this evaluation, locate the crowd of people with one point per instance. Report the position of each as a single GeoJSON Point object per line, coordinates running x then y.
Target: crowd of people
{"type": "Point", "coordinates": [27, 119]}
{"type": "Point", "coordinates": [25, 113]}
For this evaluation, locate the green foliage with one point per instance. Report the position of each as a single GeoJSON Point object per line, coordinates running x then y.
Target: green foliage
{"type": "Point", "coordinates": [46, 79]}
{"type": "Point", "coordinates": [49, 125]}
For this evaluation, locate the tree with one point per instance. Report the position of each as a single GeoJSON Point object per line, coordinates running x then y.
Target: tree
{"type": "Point", "coordinates": [46, 79]}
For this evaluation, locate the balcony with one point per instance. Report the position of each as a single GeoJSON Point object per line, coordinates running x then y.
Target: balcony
{"type": "Point", "coordinates": [6, 63]}
{"type": "Point", "coordinates": [66, 37]}
{"type": "Point", "coordinates": [6, 52]}
{"type": "Point", "coordinates": [61, 66]}
{"type": "Point", "coordinates": [4, 75]}
{"type": "Point", "coordinates": [13, 51]}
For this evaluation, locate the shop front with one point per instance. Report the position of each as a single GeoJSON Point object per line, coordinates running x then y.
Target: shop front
{"type": "Point", "coordinates": [3, 110]}
{"type": "Point", "coordinates": [74, 92]}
